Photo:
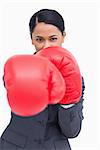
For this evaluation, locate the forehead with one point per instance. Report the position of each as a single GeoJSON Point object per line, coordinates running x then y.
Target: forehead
{"type": "Point", "coordinates": [43, 29]}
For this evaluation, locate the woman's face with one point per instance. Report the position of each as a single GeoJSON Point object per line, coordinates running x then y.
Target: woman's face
{"type": "Point", "coordinates": [45, 35]}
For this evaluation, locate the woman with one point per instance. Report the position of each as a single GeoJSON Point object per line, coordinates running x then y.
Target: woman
{"type": "Point", "coordinates": [57, 122]}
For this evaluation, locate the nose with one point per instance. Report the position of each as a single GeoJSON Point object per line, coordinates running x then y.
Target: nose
{"type": "Point", "coordinates": [47, 44]}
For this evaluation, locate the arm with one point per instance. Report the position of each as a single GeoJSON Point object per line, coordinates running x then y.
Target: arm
{"type": "Point", "coordinates": [70, 119]}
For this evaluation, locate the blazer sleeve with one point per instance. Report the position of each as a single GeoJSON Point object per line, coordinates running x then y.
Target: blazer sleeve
{"type": "Point", "coordinates": [70, 119]}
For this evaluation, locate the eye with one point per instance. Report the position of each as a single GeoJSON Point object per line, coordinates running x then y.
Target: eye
{"type": "Point", "coordinates": [53, 39]}
{"type": "Point", "coordinates": [39, 39]}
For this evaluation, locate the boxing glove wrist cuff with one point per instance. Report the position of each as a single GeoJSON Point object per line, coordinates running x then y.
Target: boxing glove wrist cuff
{"type": "Point", "coordinates": [67, 106]}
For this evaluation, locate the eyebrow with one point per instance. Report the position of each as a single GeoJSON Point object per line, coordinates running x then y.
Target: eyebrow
{"type": "Point", "coordinates": [49, 36]}
{"type": "Point", "coordinates": [53, 35]}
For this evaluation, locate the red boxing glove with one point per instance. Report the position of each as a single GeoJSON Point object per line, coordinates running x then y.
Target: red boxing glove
{"type": "Point", "coordinates": [69, 69]}
{"type": "Point", "coordinates": [32, 82]}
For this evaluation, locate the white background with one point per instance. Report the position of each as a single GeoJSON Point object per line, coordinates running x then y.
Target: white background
{"type": "Point", "coordinates": [82, 28]}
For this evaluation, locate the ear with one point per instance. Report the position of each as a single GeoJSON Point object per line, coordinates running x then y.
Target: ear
{"type": "Point", "coordinates": [32, 42]}
{"type": "Point", "coordinates": [64, 34]}
{"type": "Point", "coordinates": [32, 39]}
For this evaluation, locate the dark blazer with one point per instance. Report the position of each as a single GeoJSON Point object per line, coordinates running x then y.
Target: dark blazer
{"type": "Point", "coordinates": [48, 130]}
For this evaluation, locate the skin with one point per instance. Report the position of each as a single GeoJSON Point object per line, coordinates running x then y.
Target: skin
{"type": "Point", "coordinates": [46, 35]}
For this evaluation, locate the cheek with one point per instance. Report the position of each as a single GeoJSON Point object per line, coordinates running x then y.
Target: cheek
{"type": "Point", "coordinates": [37, 45]}
{"type": "Point", "coordinates": [59, 42]}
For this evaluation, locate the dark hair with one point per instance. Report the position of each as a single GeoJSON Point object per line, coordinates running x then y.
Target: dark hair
{"type": "Point", "coordinates": [47, 16]}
